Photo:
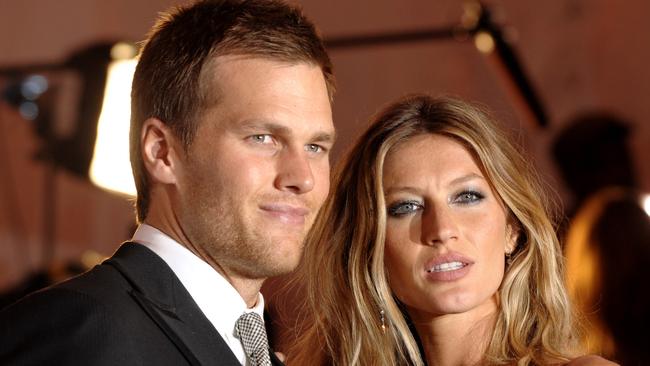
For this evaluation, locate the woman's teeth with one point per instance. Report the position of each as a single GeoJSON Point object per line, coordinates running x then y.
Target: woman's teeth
{"type": "Point", "coordinates": [444, 267]}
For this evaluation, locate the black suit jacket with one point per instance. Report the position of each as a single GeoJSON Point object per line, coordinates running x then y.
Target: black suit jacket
{"type": "Point", "coordinates": [130, 310]}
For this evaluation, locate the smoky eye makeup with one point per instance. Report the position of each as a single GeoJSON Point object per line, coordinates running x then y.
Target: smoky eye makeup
{"type": "Point", "coordinates": [402, 208]}
{"type": "Point", "coordinates": [469, 196]}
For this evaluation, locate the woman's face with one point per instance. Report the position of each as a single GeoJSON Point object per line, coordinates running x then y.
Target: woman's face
{"type": "Point", "coordinates": [446, 230]}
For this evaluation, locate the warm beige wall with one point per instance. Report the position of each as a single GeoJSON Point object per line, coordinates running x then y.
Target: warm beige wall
{"type": "Point", "coordinates": [580, 54]}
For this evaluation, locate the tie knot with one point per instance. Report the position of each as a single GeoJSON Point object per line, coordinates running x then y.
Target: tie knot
{"type": "Point", "coordinates": [252, 334]}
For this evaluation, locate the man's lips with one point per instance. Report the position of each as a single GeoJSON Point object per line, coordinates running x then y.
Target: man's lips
{"type": "Point", "coordinates": [287, 213]}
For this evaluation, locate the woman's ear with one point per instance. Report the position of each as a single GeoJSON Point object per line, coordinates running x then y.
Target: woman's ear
{"type": "Point", "coordinates": [159, 151]}
{"type": "Point", "coordinates": [513, 231]}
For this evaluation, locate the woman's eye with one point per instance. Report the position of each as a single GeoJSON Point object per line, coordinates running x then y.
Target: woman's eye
{"type": "Point", "coordinates": [468, 197]}
{"type": "Point", "coordinates": [404, 208]}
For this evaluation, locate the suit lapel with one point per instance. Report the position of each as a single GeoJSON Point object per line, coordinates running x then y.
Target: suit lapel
{"type": "Point", "coordinates": [162, 296]}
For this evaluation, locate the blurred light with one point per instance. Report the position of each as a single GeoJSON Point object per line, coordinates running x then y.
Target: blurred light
{"type": "Point", "coordinates": [28, 110]}
{"type": "Point", "coordinates": [123, 51]}
{"type": "Point", "coordinates": [91, 258]}
{"type": "Point", "coordinates": [99, 79]}
{"type": "Point", "coordinates": [23, 94]}
{"type": "Point", "coordinates": [33, 86]}
{"type": "Point", "coordinates": [110, 167]}
{"type": "Point", "coordinates": [484, 42]}
{"type": "Point", "coordinates": [645, 203]}
{"type": "Point", "coordinates": [471, 14]}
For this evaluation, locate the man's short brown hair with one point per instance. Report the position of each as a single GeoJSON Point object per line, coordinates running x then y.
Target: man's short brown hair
{"type": "Point", "coordinates": [167, 80]}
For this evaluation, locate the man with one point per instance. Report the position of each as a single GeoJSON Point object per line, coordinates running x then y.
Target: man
{"type": "Point", "coordinates": [230, 132]}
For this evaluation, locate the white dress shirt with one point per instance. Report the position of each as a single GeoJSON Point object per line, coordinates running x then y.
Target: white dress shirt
{"type": "Point", "coordinates": [214, 295]}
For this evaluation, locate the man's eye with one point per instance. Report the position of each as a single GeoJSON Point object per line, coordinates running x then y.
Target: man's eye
{"type": "Point", "coordinates": [261, 139]}
{"type": "Point", "coordinates": [468, 197]}
{"type": "Point", "coordinates": [313, 148]}
{"type": "Point", "coordinates": [404, 208]}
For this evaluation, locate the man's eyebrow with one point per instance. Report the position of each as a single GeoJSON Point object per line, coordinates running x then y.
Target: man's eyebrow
{"type": "Point", "coordinates": [261, 125]}
{"type": "Point", "coordinates": [324, 137]}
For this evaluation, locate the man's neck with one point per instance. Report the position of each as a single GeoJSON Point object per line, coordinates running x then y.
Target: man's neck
{"type": "Point", "coordinates": [247, 288]}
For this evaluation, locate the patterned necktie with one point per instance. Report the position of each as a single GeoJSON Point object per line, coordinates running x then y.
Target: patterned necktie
{"type": "Point", "coordinates": [253, 337]}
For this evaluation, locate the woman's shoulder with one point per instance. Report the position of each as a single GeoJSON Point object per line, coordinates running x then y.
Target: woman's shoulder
{"type": "Point", "coordinates": [591, 360]}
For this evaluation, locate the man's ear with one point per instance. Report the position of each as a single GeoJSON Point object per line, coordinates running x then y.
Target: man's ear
{"type": "Point", "coordinates": [160, 151]}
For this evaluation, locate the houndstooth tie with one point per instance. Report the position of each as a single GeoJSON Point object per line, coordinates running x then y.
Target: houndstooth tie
{"type": "Point", "coordinates": [253, 337]}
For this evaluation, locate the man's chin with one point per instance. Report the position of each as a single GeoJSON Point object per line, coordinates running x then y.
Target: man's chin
{"type": "Point", "coordinates": [278, 254]}
{"type": "Point", "coordinates": [271, 270]}
{"type": "Point", "coordinates": [287, 263]}
{"type": "Point", "coordinates": [281, 263]}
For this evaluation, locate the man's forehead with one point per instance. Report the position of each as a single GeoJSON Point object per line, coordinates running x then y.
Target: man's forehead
{"type": "Point", "coordinates": [248, 79]}
{"type": "Point", "coordinates": [220, 67]}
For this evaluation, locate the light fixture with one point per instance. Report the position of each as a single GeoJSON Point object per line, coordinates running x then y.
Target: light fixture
{"type": "Point", "coordinates": [110, 167]}
{"type": "Point", "coordinates": [484, 42]}
{"type": "Point", "coordinates": [645, 203]}
{"type": "Point", "coordinates": [489, 38]}
{"type": "Point", "coordinates": [91, 139]}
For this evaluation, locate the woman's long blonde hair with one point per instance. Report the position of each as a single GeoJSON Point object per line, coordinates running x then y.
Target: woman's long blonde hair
{"type": "Point", "coordinates": [343, 274]}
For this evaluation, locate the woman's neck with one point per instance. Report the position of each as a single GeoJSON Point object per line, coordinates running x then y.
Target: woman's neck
{"type": "Point", "coordinates": [456, 339]}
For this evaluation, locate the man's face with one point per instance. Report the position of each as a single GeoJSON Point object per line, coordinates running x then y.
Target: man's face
{"type": "Point", "coordinates": [257, 171]}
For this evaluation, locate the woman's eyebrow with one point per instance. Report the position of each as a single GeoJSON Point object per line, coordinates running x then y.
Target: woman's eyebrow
{"type": "Point", "coordinates": [466, 178]}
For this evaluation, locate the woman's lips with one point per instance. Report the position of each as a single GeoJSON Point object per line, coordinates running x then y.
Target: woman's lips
{"type": "Point", "coordinates": [447, 267]}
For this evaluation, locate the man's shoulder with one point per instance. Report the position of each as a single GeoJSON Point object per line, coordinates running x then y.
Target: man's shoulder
{"type": "Point", "coordinates": [104, 285]}
{"type": "Point", "coordinates": [84, 289]}
{"type": "Point", "coordinates": [116, 275]}
{"type": "Point", "coordinates": [89, 298]}
{"type": "Point", "coordinates": [56, 322]}
{"type": "Point", "coordinates": [92, 316]}
{"type": "Point", "coordinates": [103, 279]}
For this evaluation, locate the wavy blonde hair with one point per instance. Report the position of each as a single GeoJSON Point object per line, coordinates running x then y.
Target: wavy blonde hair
{"type": "Point", "coordinates": [343, 273]}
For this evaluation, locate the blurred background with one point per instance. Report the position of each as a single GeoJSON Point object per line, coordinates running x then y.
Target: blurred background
{"type": "Point", "coordinates": [542, 65]}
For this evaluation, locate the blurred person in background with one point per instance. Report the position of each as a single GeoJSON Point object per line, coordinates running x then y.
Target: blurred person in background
{"type": "Point", "coordinates": [607, 242]}
{"type": "Point", "coordinates": [608, 266]}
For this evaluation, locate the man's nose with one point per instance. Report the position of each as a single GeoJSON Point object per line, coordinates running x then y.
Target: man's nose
{"type": "Point", "coordinates": [294, 171]}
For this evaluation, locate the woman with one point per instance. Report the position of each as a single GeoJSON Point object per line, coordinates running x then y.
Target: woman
{"type": "Point", "coordinates": [435, 247]}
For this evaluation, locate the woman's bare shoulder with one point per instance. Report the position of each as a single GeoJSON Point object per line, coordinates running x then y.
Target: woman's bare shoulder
{"type": "Point", "coordinates": [591, 360]}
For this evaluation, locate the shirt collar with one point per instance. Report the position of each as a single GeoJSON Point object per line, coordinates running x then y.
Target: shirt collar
{"type": "Point", "coordinates": [214, 295]}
